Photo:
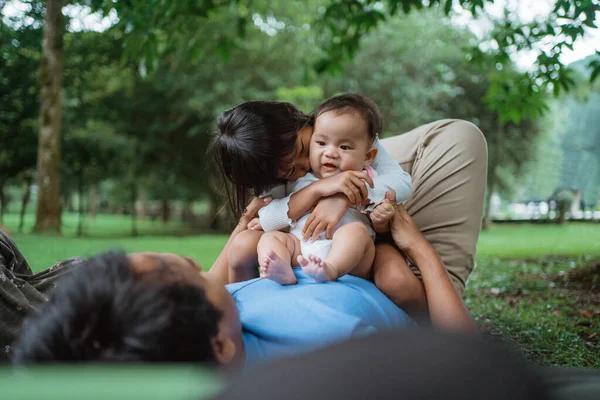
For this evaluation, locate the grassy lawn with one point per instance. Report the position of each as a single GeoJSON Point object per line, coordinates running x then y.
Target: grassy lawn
{"type": "Point", "coordinates": [520, 291]}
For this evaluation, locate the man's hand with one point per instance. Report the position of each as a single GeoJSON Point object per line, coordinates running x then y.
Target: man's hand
{"type": "Point", "coordinates": [325, 216]}
{"type": "Point", "coordinates": [384, 212]}
{"type": "Point", "coordinates": [350, 183]}
{"type": "Point", "coordinates": [406, 234]}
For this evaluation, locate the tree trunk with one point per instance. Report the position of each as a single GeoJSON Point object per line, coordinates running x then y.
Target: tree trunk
{"type": "Point", "coordinates": [492, 164]}
{"type": "Point", "coordinates": [134, 229]}
{"type": "Point", "coordinates": [25, 201]}
{"type": "Point", "coordinates": [92, 200]}
{"type": "Point", "coordinates": [143, 210]}
{"type": "Point", "coordinates": [487, 220]}
{"type": "Point", "coordinates": [164, 211]}
{"type": "Point", "coordinates": [80, 205]}
{"type": "Point", "coordinates": [187, 211]}
{"type": "Point", "coordinates": [562, 217]}
{"type": "Point", "coordinates": [2, 201]}
{"type": "Point", "coordinates": [48, 164]}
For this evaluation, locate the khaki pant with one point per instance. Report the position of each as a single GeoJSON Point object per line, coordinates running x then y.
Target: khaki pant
{"type": "Point", "coordinates": [447, 160]}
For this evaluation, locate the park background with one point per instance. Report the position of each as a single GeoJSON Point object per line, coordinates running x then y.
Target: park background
{"type": "Point", "coordinates": [113, 114]}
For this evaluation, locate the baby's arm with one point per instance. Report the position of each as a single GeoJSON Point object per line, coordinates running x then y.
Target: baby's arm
{"type": "Point", "coordinates": [390, 176]}
{"type": "Point", "coordinates": [306, 191]}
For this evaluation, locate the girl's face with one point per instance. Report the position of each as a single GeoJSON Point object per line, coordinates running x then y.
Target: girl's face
{"type": "Point", "coordinates": [296, 164]}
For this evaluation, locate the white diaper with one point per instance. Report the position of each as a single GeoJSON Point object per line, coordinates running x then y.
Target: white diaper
{"type": "Point", "coordinates": [319, 248]}
{"type": "Point", "coordinates": [322, 246]}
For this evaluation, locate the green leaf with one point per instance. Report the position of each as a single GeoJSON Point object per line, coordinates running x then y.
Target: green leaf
{"type": "Point", "coordinates": [448, 6]}
{"type": "Point", "coordinates": [595, 73]}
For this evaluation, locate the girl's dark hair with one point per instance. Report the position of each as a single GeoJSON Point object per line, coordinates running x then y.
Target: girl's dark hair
{"type": "Point", "coordinates": [250, 146]}
{"type": "Point", "coordinates": [353, 102]}
{"type": "Point", "coordinates": [106, 312]}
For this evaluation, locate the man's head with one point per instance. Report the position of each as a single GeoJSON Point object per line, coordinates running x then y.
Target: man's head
{"type": "Point", "coordinates": [145, 307]}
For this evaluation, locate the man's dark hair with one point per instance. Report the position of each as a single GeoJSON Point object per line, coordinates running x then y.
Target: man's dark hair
{"type": "Point", "coordinates": [108, 312]}
{"type": "Point", "coordinates": [357, 103]}
{"type": "Point", "coordinates": [251, 145]}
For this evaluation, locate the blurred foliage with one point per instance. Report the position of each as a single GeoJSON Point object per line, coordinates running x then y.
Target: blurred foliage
{"type": "Point", "coordinates": [140, 97]}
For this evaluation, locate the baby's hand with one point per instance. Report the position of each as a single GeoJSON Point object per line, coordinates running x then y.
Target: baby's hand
{"type": "Point", "coordinates": [382, 215]}
{"type": "Point", "coordinates": [254, 225]}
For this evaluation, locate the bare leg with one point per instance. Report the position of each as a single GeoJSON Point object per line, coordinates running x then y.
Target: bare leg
{"type": "Point", "coordinates": [352, 251]}
{"type": "Point", "coordinates": [275, 252]}
{"type": "Point", "coordinates": [394, 278]}
{"type": "Point", "coordinates": [242, 256]}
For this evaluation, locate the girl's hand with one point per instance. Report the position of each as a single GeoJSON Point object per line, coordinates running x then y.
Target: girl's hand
{"type": "Point", "coordinates": [383, 213]}
{"type": "Point", "coordinates": [254, 225]}
{"type": "Point", "coordinates": [325, 216]}
{"type": "Point", "coordinates": [350, 183]}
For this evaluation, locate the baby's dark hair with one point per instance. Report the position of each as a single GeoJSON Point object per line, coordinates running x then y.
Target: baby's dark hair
{"type": "Point", "coordinates": [107, 312]}
{"type": "Point", "coordinates": [251, 145]}
{"type": "Point", "coordinates": [353, 102]}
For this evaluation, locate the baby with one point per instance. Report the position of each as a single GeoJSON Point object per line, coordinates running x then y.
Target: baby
{"type": "Point", "coordinates": [343, 140]}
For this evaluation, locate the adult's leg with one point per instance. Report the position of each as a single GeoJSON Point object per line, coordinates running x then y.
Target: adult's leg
{"type": "Point", "coordinates": [448, 163]}
{"type": "Point", "coordinates": [21, 291]}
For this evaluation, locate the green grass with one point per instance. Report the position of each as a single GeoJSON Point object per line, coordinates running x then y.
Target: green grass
{"type": "Point", "coordinates": [104, 225]}
{"type": "Point", "coordinates": [530, 304]}
{"type": "Point", "coordinates": [112, 232]}
{"type": "Point", "coordinates": [517, 292]}
{"type": "Point", "coordinates": [526, 240]}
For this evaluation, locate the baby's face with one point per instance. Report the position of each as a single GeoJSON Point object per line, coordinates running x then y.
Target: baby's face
{"type": "Point", "coordinates": [340, 142]}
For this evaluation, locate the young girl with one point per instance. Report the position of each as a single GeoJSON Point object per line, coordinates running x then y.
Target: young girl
{"type": "Point", "coordinates": [262, 144]}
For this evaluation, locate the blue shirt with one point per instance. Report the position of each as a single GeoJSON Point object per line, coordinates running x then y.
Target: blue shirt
{"type": "Point", "coordinates": [279, 321]}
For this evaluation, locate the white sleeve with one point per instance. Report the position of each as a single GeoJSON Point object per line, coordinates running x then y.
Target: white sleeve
{"type": "Point", "coordinates": [274, 216]}
{"type": "Point", "coordinates": [390, 176]}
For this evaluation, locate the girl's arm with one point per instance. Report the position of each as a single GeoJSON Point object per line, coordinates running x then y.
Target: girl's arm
{"type": "Point", "coordinates": [281, 213]}
{"type": "Point", "coordinates": [390, 176]}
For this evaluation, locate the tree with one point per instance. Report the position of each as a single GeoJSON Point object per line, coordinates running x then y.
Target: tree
{"type": "Point", "coordinates": [48, 164]}
{"type": "Point", "coordinates": [439, 83]}
{"type": "Point", "coordinates": [19, 102]}
{"type": "Point", "coordinates": [581, 147]}
{"type": "Point", "coordinates": [92, 153]}
{"type": "Point", "coordinates": [166, 26]}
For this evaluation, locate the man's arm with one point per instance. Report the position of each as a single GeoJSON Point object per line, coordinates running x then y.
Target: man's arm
{"type": "Point", "coordinates": [446, 308]}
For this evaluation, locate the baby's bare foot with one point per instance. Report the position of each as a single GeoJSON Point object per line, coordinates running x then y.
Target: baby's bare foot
{"type": "Point", "coordinates": [274, 268]}
{"type": "Point", "coordinates": [316, 268]}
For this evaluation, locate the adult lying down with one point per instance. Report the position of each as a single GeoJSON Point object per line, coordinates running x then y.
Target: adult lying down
{"type": "Point", "coordinates": [150, 307]}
